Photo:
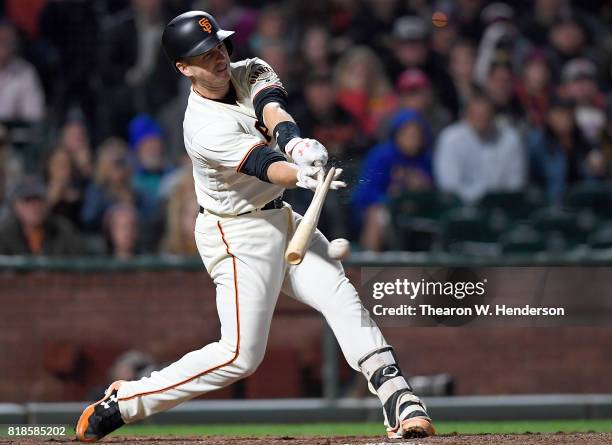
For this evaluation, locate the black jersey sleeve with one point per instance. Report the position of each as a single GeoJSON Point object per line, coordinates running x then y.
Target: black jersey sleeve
{"type": "Point", "coordinates": [258, 160]}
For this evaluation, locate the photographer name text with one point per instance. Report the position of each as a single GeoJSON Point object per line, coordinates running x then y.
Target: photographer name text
{"type": "Point", "coordinates": [499, 310]}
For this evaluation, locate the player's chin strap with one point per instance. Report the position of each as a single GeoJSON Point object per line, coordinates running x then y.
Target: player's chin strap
{"type": "Point", "coordinates": [385, 379]}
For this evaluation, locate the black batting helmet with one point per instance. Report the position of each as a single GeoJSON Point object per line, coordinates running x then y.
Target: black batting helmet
{"type": "Point", "coordinates": [193, 33]}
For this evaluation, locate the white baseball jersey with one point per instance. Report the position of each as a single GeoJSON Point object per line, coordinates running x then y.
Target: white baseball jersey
{"type": "Point", "coordinates": [219, 137]}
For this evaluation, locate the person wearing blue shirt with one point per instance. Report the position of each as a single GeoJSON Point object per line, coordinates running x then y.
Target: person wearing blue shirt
{"type": "Point", "coordinates": [401, 163]}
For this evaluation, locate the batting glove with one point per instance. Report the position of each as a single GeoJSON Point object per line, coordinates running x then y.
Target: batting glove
{"type": "Point", "coordinates": [309, 178]}
{"type": "Point", "coordinates": [305, 152]}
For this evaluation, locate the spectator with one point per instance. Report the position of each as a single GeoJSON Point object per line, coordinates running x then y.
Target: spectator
{"type": "Point", "coordinates": [112, 184]}
{"type": "Point", "coordinates": [409, 45]}
{"type": "Point", "coordinates": [534, 88]}
{"type": "Point", "coordinates": [11, 167]}
{"type": "Point", "coordinates": [65, 186]}
{"type": "Point", "coordinates": [537, 21]}
{"type": "Point", "coordinates": [468, 12]}
{"type": "Point", "coordinates": [324, 120]}
{"type": "Point", "coordinates": [121, 231]}
{"type": "Point", "coordinates": [461, 69]}
{"type": "Point", "coordinates": [363, 89]}
{"type": "Point", "coordinates": [181, 213]}
{"type": "Point", "coordinates": [567, 40]}
{"type": "Point", "coordinates": [148, 146]}
{"type": "Point", "coordinates": [341, 19]}
{"type": "Point", "coordinates": [314, 57]}
{"type": "Point", "coordinates": [74, 137]}
{"type": "Point", "coordinates": [24, 18]}
{"type": "Point", "coordinates": [135, 74]}
{"type": "Point", "coordinates": [501, 42]}
{"type": "Point", "coordinates": [68, 49]}
{"type": "Point", "coordinates": [277, 55]}
{"type": "Point", "coordinates": [477, 155]}
{"type": "Point", "coordinates": [31, 229]}
{"type": "Point", "coordinates": [499, 86]}
{"type": "Point", "coordinates": [271, 28]}
{"type": "Point", "coordinates": [415, 93]}
{"type": "Point", "coordinates": [402, 163]}
{"type": "Point", "coordinates": [372, 21]}
{"type": "Point", "coordinates": [558, 152]}
{"type": "Point", "coordinates": [602, 158]}
{"type": "Point", "coordinates": [579, 77]}
{"type": "Point", "coordinates": [410, 49]}
{"type": "Point", "coordinates": [21, 95]}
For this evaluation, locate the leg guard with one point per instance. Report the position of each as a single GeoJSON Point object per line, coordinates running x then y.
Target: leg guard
{"type": "Point", "coordinates": [385, 379]}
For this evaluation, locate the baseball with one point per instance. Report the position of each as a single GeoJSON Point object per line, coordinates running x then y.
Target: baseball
{"type": "Point", "coordinates": [439, 19]}
{"type": "Point", "coordinates": [338, 249]}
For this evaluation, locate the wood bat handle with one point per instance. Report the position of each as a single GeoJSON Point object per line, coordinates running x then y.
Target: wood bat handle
{"type": "Point", "coordinates": [301, 237]}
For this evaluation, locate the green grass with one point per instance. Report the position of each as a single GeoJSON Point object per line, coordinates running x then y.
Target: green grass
{"type": "Point", "coordinates": [368, 429]}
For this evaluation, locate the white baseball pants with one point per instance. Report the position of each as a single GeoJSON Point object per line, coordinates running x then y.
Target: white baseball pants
{"type": "Point", "coordinates": [245, 257]}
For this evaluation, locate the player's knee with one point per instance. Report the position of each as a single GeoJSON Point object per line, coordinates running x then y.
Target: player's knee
{"type": "Point", "coordinates": [345, 295]}
{"type": "Point", "coordinates": [247, 364]}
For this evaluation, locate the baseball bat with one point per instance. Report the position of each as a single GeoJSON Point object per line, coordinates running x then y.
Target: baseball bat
{"type": "Point", "coordinates": [301, 237]}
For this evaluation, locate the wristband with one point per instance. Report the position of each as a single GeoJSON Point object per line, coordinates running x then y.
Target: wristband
{"type": "Point", "coordinates": [284, 132]}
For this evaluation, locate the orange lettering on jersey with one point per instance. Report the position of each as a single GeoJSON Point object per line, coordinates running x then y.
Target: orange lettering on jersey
{"type": "Point", "coordinates": [205, 24]}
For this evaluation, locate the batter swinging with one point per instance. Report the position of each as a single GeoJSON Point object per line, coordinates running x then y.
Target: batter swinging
{"type": "Point", "coordinates": [240, 170]}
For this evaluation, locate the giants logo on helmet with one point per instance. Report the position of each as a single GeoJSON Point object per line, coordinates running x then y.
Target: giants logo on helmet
{"type": "Point", "coordinates": [205, 24]}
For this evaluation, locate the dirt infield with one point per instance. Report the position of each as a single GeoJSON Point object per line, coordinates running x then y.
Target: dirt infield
{"type": "Point", "coordinates": [523, 439]}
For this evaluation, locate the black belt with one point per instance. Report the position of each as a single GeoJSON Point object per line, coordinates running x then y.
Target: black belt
{"type": "Point", "coordinates": [276, 203]}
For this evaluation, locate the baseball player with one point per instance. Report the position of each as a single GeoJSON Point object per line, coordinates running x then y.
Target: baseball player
{"type": "Point", "coordinates": [246, 149]}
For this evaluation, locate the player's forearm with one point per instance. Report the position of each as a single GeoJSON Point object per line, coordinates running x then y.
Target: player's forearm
{"type": "Point", "coordinates": [273, 114]}
{"type": "Point", "coordinates": [283, 173]}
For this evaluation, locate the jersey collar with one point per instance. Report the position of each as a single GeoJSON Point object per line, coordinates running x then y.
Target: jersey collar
{"type": "Point", "coordinates": [230, 98]}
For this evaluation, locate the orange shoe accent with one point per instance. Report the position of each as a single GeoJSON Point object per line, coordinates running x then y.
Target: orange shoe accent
{"type": "Point", "coordinates": [83, 422]}
{"type": "Point", "coordinates": [413, 428]}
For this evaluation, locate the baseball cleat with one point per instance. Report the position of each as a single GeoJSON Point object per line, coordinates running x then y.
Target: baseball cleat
{"type": "Point", "coordinates": [412, 419]}
{"type": "Point", "coordinates": [413, 428]}
{"type": "Point", "coordinates": [100, 418]}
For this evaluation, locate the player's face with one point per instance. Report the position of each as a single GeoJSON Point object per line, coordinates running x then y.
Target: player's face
{"type": "Point", "coordinates": [208, 69]}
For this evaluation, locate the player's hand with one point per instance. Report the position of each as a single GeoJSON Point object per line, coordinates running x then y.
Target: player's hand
{"type": "Point", "coordinates": [309, 178]}
{"type": "Point", "coordinates": [306, 152]}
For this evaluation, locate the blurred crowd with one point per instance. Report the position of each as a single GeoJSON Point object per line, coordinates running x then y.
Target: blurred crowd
{"type": "Point", "coordinates": [465, 97]}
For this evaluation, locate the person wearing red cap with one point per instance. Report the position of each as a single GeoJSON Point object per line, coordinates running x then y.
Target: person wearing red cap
{"type": "Point", "coordinates": [415, 93]}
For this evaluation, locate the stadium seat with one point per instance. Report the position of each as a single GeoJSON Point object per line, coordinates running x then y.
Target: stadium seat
{"type": "Point", "coordinates": [593, 196]}
{"type": "Point", "coordinates": [561, 228]}
{"type": "Point", "coordinates": [522, 239]}
{"type": "Point", "coordinates": [601, 238]}
{"type": "Point", "coordinates": [514, 206]}
{"type": "Point", "coordinates": [468, 229]}
{"type": "Point", "coordinates": [416, 217]}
